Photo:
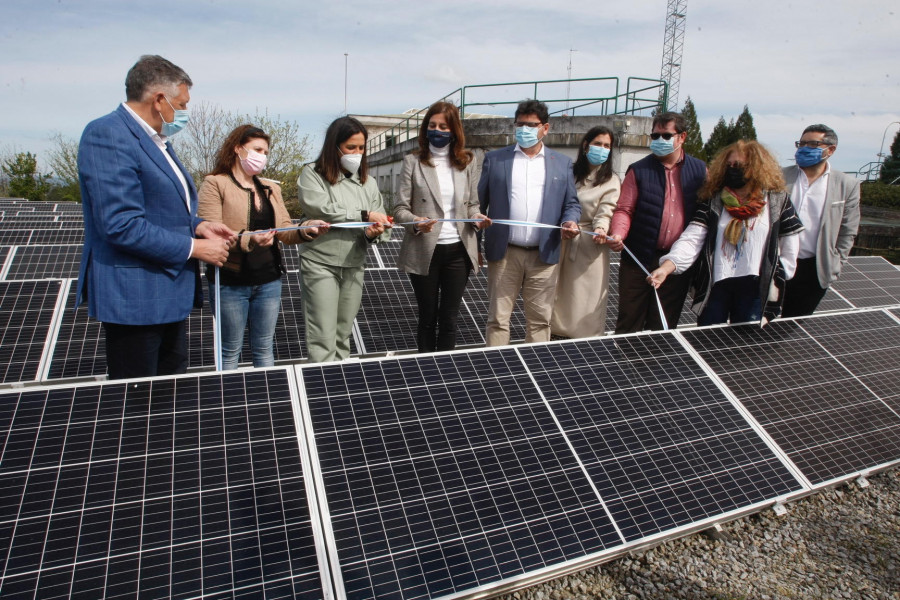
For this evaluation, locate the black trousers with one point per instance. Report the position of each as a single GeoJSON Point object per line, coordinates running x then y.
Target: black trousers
{"type": "Point", "coordinates": [146, 350]}
{"type": "Point", "coordinates": [802, 292]}
{"type": "Point", "coordinates": [637, 304]}
{"type": "Point", "coordinates": [439, 295]}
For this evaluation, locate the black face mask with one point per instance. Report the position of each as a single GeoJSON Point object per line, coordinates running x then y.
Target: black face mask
{"type": "Point", "coordinates": [734, 178]}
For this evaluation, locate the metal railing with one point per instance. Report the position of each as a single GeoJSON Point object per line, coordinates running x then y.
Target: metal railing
{"type": "Point", "coordinates": [641, 94]}
{"type": "Point", "coordinates": [871, 171]}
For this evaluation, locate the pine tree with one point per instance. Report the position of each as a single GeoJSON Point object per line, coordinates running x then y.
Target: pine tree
{"type": "Point", "coordinates": [890, 170]}
{"type": "Point", "coordinates": [743, 127]}
{"type": "Point", "coordinates": [25, 181]}
{"type": "Point", "coordinates": [693, 144]}
{"type": "Point", "coordinates": [718, 139]}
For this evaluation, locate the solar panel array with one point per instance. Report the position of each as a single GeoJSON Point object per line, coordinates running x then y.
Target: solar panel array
{"type": "Point", "coordinates": [386, 323]}
{"type": "Point", "coordinates": [423, 476]}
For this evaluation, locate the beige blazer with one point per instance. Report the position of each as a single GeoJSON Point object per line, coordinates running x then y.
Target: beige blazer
{"type": "Point", "coordinates": [420, 196]}
{"type": "Point", "coordinates": [222, 200]}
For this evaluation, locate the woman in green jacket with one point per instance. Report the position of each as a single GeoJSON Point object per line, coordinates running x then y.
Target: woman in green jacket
{"type": "Point", "coordinates": [336, 189]}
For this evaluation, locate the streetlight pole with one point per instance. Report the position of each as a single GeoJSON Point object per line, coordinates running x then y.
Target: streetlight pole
{"type": "Point", "coordinates": [881, 152]}
{"type": "Point", "coordinates": [345, 82]}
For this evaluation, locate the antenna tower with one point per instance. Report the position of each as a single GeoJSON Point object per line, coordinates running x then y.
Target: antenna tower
{"type": "Point", "coordinates": [672, 48]}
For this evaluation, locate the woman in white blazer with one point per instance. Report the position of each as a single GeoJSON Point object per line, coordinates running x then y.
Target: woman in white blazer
{"type": "Point", "coordinates": [439, 181]}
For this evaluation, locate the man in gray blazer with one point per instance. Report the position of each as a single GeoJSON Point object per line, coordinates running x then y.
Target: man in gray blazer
{"type": "Point", "coordinates": [526, 182]}
{"type": "Point", "coordinates": [827, 202]}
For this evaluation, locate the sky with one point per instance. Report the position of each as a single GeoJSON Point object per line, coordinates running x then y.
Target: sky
{"type": "Point", "coordinates": [63, 62]}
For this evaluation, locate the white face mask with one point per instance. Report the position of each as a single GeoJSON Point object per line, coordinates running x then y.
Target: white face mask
{"type": "Point", "coordinates": [351, 162]}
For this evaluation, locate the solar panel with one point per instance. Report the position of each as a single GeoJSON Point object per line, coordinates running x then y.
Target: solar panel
{"type": "Point", "coordinates": [290, 257]}
{"type": "Point", "coordinates": [26, 315]}
{"type": "Point", "coordinates": [445, 472]}
{"type": "Point", "coordinates": [80, 347]}
{"type": "Point", "coordinates": [477, 303]}
{"type": "Point", "coordinates": [48, 237]}
{"type": "Point", "coordinates": [43, 262]}
{"type": "Point", "coordinates": [389, 252]}
{"type": "Point", "coordinates": [201, 333]}
{"type": "Point", "coordinates": [664, 446]}
{"type": "Point", "coordinates": [15, 237]}
{"type": "Point", "coordinates": [804, 382]}
{"type": "Point", "coordinates": [869, 281]}
{"type": "Point", "coordinates": [387, 315]}
{"type": "Point", "coordinates": [171, 488]}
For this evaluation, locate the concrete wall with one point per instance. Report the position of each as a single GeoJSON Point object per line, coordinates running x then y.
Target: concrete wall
{"type": "Point", "coordinates": [483, 135]}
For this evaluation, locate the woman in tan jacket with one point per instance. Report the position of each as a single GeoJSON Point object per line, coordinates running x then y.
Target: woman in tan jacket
{"type": "Point", "coordinates": [439, 182]}
{"type": "Point", "coordinates": [250, 281]}
{"type": "Point", "coordinates": [581, 291]}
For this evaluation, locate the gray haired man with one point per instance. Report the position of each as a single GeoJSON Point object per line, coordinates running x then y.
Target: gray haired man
{"type": "Point", "coordinates": [827, 202]}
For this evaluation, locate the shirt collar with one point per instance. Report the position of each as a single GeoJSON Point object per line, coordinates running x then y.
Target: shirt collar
{"type": "Point", "coordinates": [154, 135]}
{"type": "Point", "coordinates": [540, 152]}
{"type": "Point", "coordinates": [822, 176]}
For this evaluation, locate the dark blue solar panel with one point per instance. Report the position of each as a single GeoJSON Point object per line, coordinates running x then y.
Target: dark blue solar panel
{"type": "Point", "coordinates": [663, 445]}
{"type": "Point", "coordinates": [26, 313]}
{"type": "Point", "coordinates": [175, 488]}
{"type": "Point", "coordinates": [821, 387]}
{"type": "Point", "coordinates": [447, 472]}
{"type": "Point", "coordinates": [42, 262]}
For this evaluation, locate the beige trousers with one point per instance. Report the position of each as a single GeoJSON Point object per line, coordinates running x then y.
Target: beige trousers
{"type": "Point", "coordinates": [520, 270]}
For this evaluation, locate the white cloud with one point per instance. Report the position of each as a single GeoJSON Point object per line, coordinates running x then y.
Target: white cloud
{"type": "Point", "coordinates": [793, 63]}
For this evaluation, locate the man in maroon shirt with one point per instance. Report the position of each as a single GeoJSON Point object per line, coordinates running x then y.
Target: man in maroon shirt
{"type": "Point", "coordinates": [656, 204]}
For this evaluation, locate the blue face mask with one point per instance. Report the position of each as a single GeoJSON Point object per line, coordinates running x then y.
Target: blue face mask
{"type": "Point", "coordinates": [597, 155]}
{"type": "Point", "coordinates": [527, 136]}
{"type": "Point", "coordinates": [438, 138]}
{"type": "Point", "coordinates": [807, 157]}
{"type": "Point", "coordinates": [662, 147]}
{"type": "Point", "coordinates": [179, 121]}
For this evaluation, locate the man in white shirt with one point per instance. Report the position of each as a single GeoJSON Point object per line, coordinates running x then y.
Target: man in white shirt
{"type": "Point", "coordinates": [142, 238]}
{"type": "Point", "coordinates": [526, 182]}
{"type": "Point", "coordinates": [827, 202]}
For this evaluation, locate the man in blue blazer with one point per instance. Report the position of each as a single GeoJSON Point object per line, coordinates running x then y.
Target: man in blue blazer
{"type": "Point", "coordinates": [139, 271]}
{"type": "Point", "coordinates": [526, 182]}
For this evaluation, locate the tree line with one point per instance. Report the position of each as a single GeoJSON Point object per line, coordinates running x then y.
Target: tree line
{"type": "Point", "coordinates": [197, 147]}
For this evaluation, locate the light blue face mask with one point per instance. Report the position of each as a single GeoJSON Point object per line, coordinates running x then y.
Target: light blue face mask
{"type": "Point", "coordinates": [179, 121]}
{"type": "Point", "coordinates": [808, 157]}
{"type": "Point", "coordinates": [662, 147]}
{"type": "Point", "coordinates": [597, 155]}
{"type": "Point", "coordinates": [527, 136]}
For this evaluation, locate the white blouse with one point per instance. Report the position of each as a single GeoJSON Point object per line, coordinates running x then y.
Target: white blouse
{"type": "Point", "coordinates": [441, 159]}
{"type": "Point", "coordinates": [726, 262]}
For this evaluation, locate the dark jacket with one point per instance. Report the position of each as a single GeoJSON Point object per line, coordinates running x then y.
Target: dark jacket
{"type": "Point", "coordinates": [650, 177]}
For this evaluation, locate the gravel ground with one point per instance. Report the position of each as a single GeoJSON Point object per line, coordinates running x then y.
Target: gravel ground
{"type": "Point", "coordinates": [842, 543]}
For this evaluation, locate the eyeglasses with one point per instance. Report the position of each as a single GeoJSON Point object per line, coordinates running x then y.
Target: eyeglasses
{"type": "Point", "coordinates": [810, 143]}
{"type": "Point", "coordinates": [526, 124]}
{"type": "Point", "coordinates": [665, 136]}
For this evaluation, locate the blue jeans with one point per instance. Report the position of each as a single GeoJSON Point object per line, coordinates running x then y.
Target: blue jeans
{"type": "Point", "coordinates": [260, 305]}
{"type": "Point", "coordinates": [735, 299]}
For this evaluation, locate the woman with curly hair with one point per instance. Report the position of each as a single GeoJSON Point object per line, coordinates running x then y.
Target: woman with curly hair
{"type": "Point", "coordinates": [745, 235]}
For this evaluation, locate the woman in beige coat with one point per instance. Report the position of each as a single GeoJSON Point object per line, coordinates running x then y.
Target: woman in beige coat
{"type": "Point", "coordinates": [250, 281]}
{"type": "Point", "coordinates": [439, 182]}
{"type": "Point", "coordinates": [581, 291]}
